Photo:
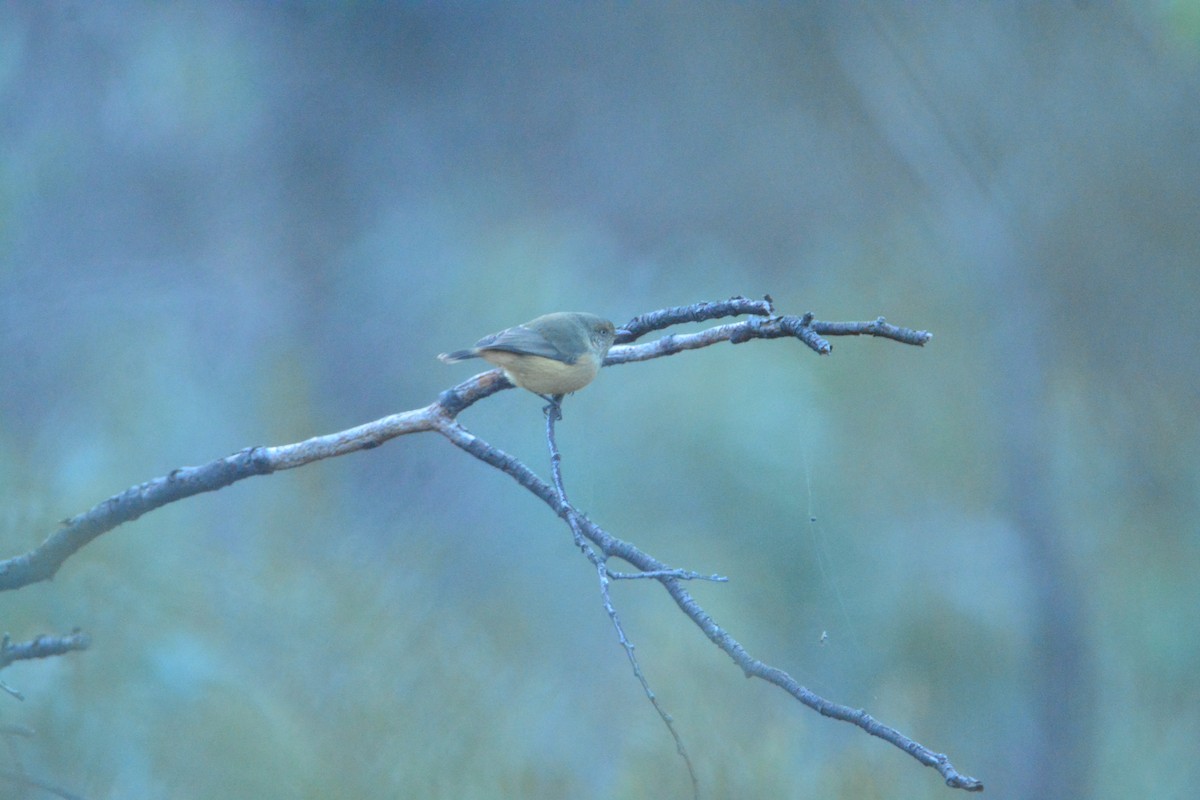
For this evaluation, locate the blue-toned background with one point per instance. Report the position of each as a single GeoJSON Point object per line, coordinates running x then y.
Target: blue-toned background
{"type": "Point", "coordinates": [227, 224]}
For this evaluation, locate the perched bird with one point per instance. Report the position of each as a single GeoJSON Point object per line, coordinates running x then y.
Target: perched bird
{"type": "Point", "coordinates": [554, 354]}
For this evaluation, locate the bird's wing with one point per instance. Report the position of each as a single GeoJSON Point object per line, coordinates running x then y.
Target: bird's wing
{"type": "Point", "coordinates": [524, 341]}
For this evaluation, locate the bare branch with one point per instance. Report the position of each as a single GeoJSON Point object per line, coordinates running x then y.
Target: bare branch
{"type": "Point", "coordinates": [877, 327]}
{"type": "Point", "coordinates": [678, 574]}
{"type": "Point", "coordinates": [43, 562]}
{"type": "Point", "coordinates": [553, 414]}
{"type": "Point", "coordinates": [752, 666]}
{"type": "Point", "coordinates": [804, 328]}
{"type": "Point", "coordinates": [642, 324]}
{"type": "Point", "coordinates": [41, 647]}
{"type": "Point", "coordinates": [610, 545]}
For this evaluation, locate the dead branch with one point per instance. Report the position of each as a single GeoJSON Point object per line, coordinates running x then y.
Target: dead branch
{"type": "Point", "coordinates": [44, 561]}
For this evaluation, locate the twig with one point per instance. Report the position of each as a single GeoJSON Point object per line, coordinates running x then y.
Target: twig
{"type": "Point", "coordinates": [553, 414]}
{"type": "Point", "coordinates": [642, 324]}
{"type": "Point", "coordinates": [41, 647]}
{"type": "Point", "coordinates": [678, 574]}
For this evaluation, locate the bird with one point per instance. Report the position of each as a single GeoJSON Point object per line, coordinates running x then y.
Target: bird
{"type": "Point", "coordinates": [554, 354]}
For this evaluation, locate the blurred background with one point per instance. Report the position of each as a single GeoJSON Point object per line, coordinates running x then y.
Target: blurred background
{"type": "Point", "coordinates": [227, 224]}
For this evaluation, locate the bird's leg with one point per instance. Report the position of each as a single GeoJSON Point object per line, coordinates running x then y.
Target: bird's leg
{"type": "Point", "coordinates": [554, 405]}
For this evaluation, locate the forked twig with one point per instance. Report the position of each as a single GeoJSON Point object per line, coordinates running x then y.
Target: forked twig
{"type": "Point", "coordinates": [553, 415]}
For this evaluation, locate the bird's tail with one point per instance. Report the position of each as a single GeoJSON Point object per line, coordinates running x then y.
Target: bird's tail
{"type": "Point", "coordinates": [458, 355]}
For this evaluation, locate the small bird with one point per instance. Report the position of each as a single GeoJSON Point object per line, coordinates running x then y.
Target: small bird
{"type": "Point", "coordinates": [554, 354]}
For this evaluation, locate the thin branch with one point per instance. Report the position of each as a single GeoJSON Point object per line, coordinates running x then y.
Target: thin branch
{"type": "Point", "coordinates": [753, 667]}
{"type": "Point", "coordinates": [804, 328]}
{"type": "Point", "coordinates": [678, 574]}
{"type": "Point", "coordinates": [642, 324]}
{"type": "Point", "coordinates": [877, 327]}
{"type": "Point", "coordinates": [41, 647]}
{"type": "Point", "coordinates": [553, 414]}
{"type": "Point", "coordinates": [612, 546]}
